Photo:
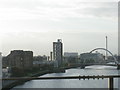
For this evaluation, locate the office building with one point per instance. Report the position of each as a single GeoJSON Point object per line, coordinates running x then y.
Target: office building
{"type": "Point", "coordinates": [58, 52]}
{"type": "Point", "coordinates": [21, 59]}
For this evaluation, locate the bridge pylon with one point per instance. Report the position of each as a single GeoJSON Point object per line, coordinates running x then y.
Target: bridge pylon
{"type": "Point", "coordinates": [118, 67]}
{"type": "Point", "coordinates": [82, 67]}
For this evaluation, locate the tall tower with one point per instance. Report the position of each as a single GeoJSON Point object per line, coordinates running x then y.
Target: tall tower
{"type": "Point", "coordinates": [51, 56]}
{"type": "Point", "coordinates": [58, 52]}
{"type": "Point", "coordinates": [106, 48]}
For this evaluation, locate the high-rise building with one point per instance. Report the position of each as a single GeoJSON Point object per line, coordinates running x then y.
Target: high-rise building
{"type": "Point", "coordinates": [58, 52]}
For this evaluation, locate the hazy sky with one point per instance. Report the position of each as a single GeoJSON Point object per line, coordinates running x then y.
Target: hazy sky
{"type": "Point", "coordinates": [35, 24]}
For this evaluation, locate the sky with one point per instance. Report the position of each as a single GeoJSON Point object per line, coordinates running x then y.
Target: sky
{"type": "Point", "coordinates": [35, 24]}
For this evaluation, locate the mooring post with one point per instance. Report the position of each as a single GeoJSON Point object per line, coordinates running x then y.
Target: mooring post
{"type": "Point", "coordinates": [111, 83]}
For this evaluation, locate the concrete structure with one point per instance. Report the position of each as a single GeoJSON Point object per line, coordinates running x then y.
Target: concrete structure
{"type": "Point", "coordinates": [92, 58]}
{"type": "Point", "coordinates": [58, 52]}
{"type": "Point", "coordinates": [21, 59]}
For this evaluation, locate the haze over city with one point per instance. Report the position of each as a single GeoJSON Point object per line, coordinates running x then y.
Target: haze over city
{"type": "Point", "coordinates": [35, 25]}
{"type": "Point", "coordinates": [59, 44]}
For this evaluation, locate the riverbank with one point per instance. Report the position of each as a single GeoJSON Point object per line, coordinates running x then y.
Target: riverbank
{"type": "Point", "coordinates": [9, 84]}
{"type": "Point", "coordinates": [63, 83]}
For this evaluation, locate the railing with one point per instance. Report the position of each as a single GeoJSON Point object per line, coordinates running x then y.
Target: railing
{"type": "Point", "coordinates": [110, 82]}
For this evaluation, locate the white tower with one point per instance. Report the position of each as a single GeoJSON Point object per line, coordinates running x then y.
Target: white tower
{"type": "Point", "coordinates": [106, 48]}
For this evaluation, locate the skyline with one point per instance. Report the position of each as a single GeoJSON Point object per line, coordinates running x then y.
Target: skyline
{"type": "Point", "coordinates": [103, 52]}
{"type": "Point", "coordinates": [34, 25]}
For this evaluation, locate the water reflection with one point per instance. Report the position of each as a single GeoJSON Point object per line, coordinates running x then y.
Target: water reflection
{"type": "Point", "coordinates": [91, 70]}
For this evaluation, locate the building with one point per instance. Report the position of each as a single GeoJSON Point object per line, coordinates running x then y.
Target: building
{"type": "Point", "coordinates": [21, 59]}
{"type": "Point", "coordinates": [38, 60]}
{"type": "Point", "coordinates": [92, 58]}
{"type": "Point", "coordinates": [5, 62]}
{"type": "Point", "coordinates": [70, 54]}
{"type": "Point", "coordinates": [58, 52]}
{"type": "Point", "coordinates": [70, 57]}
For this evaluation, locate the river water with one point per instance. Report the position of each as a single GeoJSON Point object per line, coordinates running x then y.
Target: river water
{"type": "Point", "coordinates": [75, 83]}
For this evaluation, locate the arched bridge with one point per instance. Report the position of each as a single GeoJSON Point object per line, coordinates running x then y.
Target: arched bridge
{"type": "Point", "coordinates": [115, 60]}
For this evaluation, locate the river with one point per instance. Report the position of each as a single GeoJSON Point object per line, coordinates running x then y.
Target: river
{"type": "Point", "coordinates": [75, 83]}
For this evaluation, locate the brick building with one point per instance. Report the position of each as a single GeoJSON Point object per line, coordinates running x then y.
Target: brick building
{"type": "Point", "coordinates": [21, 59]}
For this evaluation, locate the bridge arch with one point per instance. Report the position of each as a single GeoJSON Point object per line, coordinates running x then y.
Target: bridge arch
{"type": "Point", "coordinates": [116, 62]}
